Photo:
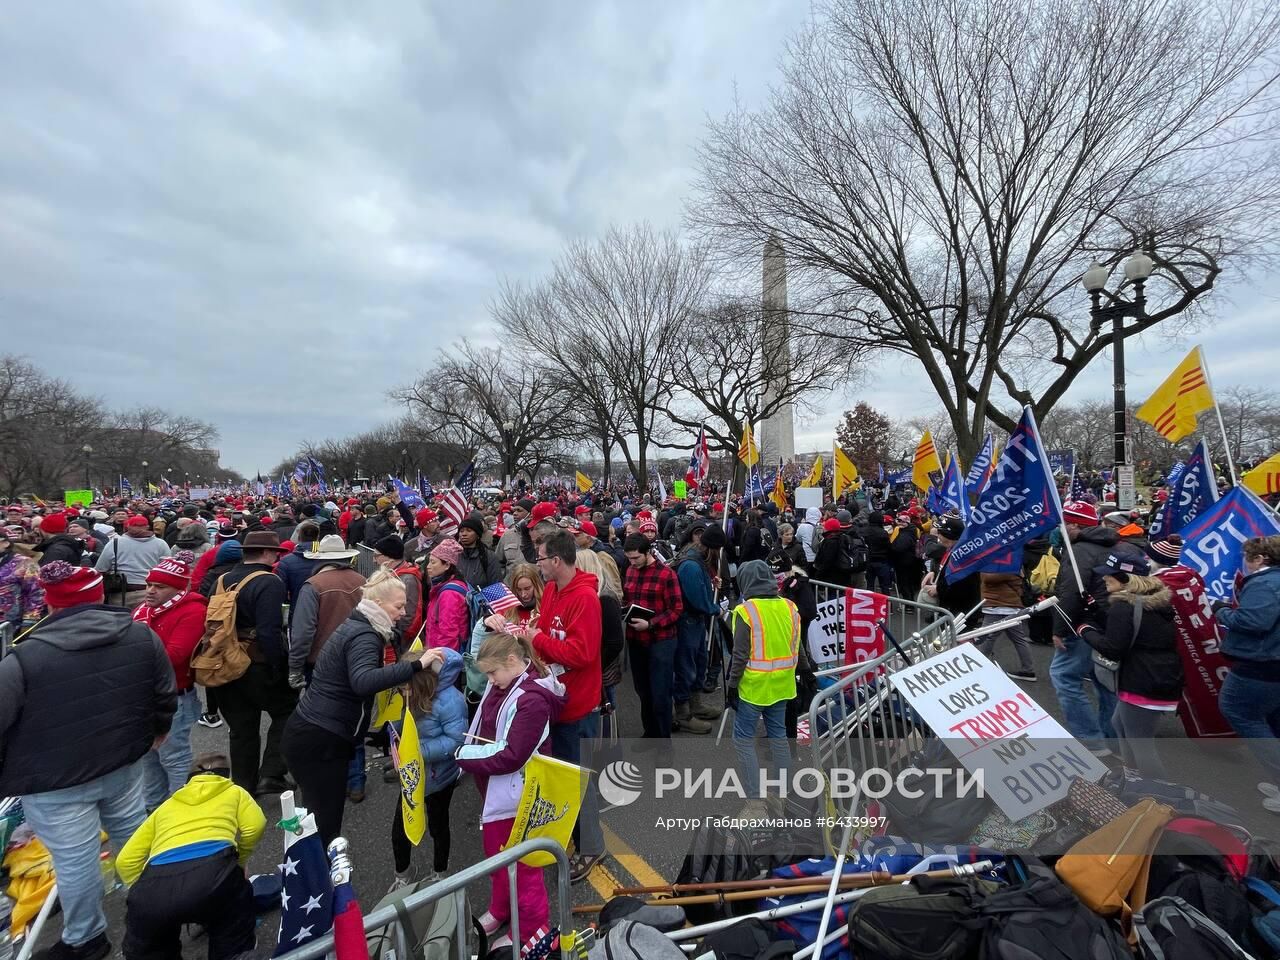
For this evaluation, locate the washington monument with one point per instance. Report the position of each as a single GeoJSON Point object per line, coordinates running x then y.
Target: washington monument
{"type": "Point", "coordinates": [778, 431]}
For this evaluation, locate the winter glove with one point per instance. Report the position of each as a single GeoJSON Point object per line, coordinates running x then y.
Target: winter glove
{"type": "Point", "coordinates": [731, 697]}
{"type": "Point", "coordinates": [297, 680]}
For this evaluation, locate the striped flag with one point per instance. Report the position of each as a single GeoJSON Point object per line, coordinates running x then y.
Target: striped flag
{"type": "Point", "coordinates": [1185, 394]}
{"type": "Point", "coordinates": [748, 452]}
{"type": "Point", "coordinates": [467, 482]}
{"type": "Point", "coordinates": [453, 510]}
{"type": "Point", "coordinates": [1264, 479]}
{"type": "Point", "coordinates": [926, 463]}
{"type": "Point", "coordinates": [499, 598]}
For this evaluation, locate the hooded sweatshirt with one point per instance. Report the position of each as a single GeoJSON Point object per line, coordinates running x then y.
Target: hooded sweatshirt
{"type": "Point", "coordinates": [568, 634]}
{"type": "Point", "coordinates": [518, 722]}
{"type": "Point", "coordinates": [208, 814]}
{"type": "Point", "coordinates": [755, 581]}
{"type": "Point", "coordinates": [806, 532]}
{"type": "Point", "coordinates": [442, 731]}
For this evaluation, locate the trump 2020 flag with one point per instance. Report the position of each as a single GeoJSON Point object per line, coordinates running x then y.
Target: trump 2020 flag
{"type": "Point", "coordinates": [1019, 504]}
{"type": "Point", "coordinates": [549, 805]}
{"type": "Point", "coordinates": [953, 491]}
{"type": "Point", "coordinates": [408, 496]}
{"type": "Point", "coordinates": [1194, 492]}
{"type": "Point", "coordinates": [1213, 544]}
{"type": "Point", "coordinates": [976, 479]}
{"type": "Point", "coordinates": [306, 895]}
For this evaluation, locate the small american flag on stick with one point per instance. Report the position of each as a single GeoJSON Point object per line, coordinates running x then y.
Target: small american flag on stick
{"type": "Point", "coordinates": [499, 598]}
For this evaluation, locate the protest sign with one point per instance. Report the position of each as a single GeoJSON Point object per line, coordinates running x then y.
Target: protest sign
{"type": "Point", "coordinates": [199, 493]}
{"type": "Point", "coordinates": [680, 489]}
{"type": "Point", "coordinates": [77, 498]}
{"type": "Point", "coordinates": [826, 632]}
{"type": "Point", "coordinates": [1061, 462]}
{"type": "Point", "coordinates": [808, 497]}
{"type": "Point", "coordinates": [1027, 760]}
{"type": "Point", "coordinates": [864, 612]}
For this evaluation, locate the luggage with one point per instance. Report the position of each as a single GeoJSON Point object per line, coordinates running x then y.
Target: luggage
{"type": "Point", "coordinates": [431, 930]}
{"type": "Point", "coordinates": [927, 919]}
{"type": "Point", "coordinates": [1169, 928]}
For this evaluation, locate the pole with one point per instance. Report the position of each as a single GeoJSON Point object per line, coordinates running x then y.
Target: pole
{"type": "Point", "coordinates": [1226, 441]}
{"type": "Point", "coordinates": [1120, 413]}
{"type": "Point", "coordinates": [1057, 502]}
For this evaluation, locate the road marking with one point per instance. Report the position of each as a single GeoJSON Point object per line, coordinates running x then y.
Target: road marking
{"type": "Point", "coordinates": [635, 864]}
{"type": "Point", "coordinates": [603, 881]}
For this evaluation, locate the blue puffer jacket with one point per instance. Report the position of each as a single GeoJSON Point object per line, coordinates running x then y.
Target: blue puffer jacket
{"type": "Point", "coordinates": [442, 731]}
{"type": "Point", "coordinates": [1253, 626]}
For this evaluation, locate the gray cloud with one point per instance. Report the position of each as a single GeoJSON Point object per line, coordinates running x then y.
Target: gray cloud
{"type": "Point", "coordinates": [315, 197]}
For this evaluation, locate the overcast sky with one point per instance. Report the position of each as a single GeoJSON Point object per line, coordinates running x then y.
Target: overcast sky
{"type": "Point", "coordinates": [266, 215]}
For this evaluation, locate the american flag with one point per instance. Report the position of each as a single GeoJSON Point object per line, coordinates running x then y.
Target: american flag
{"type": "Point", "coordinates": [499, 598]}
{"type": "Point", "coordinates": [699, 461]}
{"type": "Point", "coordinates": [539, 946]}
{"type": "Point", "coordinates": [306, 896]}
{"type": "Point", "coordinates": [466, 483]}
{"type": "Point", "coordinates": [453, 510]}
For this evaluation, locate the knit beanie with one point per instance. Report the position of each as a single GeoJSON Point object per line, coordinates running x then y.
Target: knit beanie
{"type": "Point", "coordinates": [67, 586]}
{"type": "Point", "coordinates": [171, 572]}
{"type": "Point", "coordinates": [448, 551]}
{"type": "Point", "coordinates": [390, 546]}
{"type": "Point", "coordinates": [54, 524]}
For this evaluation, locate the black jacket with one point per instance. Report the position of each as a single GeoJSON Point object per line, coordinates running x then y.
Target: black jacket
{"type": "Point", "coordinates": [356, 530]}
{"type": "Point", "coordinates": [877, 543]}
{"type": "Point", "coordinates": [1091, 549]}
{"type": "Point", "coordinates": [902, 551]}
{"type": "Point", "coordinates": [829, 563]}
{"type": "Point", "coordinates": [62, 547]}
{"type": "Point", "coordinates": [1150, 664]}
{"type": "Point", "coordinates": [258, 609]}
{"type": "Point", "coordinates": [348, 672]}
{"type": "Point", "coordinates": [83, 695]}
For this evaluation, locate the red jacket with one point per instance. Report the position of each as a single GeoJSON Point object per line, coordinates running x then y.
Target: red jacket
{"type": "Point", "coordinates": [179, 628]}
{"type": "Point", "coordinates": [568, 633]}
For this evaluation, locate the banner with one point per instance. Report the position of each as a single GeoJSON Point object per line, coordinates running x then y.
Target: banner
{"type": "Point", "coordinates": [953, 490]}
{"type": "Point", "coordinates": [407, 755]}
{"type": "Point", "coordinates": [864, 611]}
{"type": "Point", "coordinates": [549, 805]}
{"type": "Point", "coordinates": [77, 498]}
{"type": "Point", "coordinates": [1203, 664]}
{"type": "Point", "coordinates": [1193, 493]}
{"type": "Point", "coordinates": [826, 632]}
{"type": "Point", "coordinates": [1212, 545]}
{"type": "Point", "coordinates": [408, 495]}
{"type": "Point", "coordinates": [899, 478]}
{"type": "Point", "coordinates": [1019, 504]}
{"type": "Point", "coordinates": [980, 469]}
{"type": "Point", "coordinates": [1027, 759]}
{"type": "Point", "coordinates": [1061, 461]}
{"type": "Point", "coordinates": [680, 489]}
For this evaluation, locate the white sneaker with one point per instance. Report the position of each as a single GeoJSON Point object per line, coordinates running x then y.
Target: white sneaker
{"type": "Point", "coordinates": [408, 878]}
{"type": "Point", "coordinates": [1269, 790]}
{"type": "Point", "coordinates": [502, 943]}
{"type": "Point", "coordinates": [490, 924]}
{"type": "Point", "coordinates": [1272, 804]}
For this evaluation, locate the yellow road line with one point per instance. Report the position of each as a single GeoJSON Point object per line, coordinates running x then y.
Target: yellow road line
{"type": "Point", "coordinates": [603, 882]}
{"type": "Point", "coordinates": [635, 864]}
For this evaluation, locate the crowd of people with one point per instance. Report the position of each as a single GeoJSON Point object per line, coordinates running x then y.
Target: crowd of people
{"type": "Point", "coordinates": [225, 611]}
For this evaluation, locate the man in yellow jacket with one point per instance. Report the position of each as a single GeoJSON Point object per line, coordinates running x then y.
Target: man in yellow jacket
{"type": "Point", "coordinates": [185, 864]}
{"type": "Point", "coordinates": [762, 674]}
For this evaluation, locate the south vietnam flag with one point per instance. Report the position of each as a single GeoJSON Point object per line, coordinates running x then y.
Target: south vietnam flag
{"type": "Point", "coordinates": [1173, 408]}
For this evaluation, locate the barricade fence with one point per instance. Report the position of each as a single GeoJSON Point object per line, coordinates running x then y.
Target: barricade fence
{"type": "Point", "coordinates": [365, 562]}
{"type": "Point", "coordinates": [7, 633]}
{"type": "Point", "coordinates": [390, 916]}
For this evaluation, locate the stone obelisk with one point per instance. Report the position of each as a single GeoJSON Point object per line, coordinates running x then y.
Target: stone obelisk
{"type": "Point", "coordinates": [778, 431]}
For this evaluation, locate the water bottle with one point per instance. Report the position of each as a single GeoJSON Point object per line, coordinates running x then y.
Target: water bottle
{"type": "Point", "coordinates": [110, 882]}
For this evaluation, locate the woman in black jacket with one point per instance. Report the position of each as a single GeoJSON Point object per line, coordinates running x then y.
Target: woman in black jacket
{"type": "Point", "coordinates": [334, 712]}
{"type": "Point", "coordinates": [1150, 679]}
{"type": "Point", "coordinates": [788, 552]}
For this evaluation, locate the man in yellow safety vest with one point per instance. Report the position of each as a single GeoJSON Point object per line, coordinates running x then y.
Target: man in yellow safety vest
{"type": "Point", "coordinates": [762, 675]}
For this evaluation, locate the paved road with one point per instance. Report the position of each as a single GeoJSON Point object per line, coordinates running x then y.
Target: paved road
{"type": "Point", "coordinates": [639, 854]}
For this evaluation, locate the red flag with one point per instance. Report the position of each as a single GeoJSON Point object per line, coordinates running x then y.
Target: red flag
{"type": "Point", "coordinates": [348, 925]}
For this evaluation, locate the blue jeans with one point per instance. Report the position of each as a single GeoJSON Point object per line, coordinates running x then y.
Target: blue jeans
{"type": "Point", "coordinates": [880, 578]}
{"type": "Point", "coordinates": [166, 769]}
{"type": "Point", "coordinates": [691, 658]}
{"type": "Point", "coordinates": [1252, 707]}
{"type": "Point", "coordinates": [653, 673]}
{"type": "Point", "coordinates": [68, 822]}
{"type": "Point", "coordinates": [745, 720]}
{"type": "Point", "coordinates": [1069, 669]}
{"type": "Point", "coordinates": [356, 777]}
{"type": "Point", "coordinates": [566, 745]}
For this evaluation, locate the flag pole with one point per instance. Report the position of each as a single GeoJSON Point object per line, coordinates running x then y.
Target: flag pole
{"type": "Point", "coordinates": [1057, 502]}
{"type": "Point", "coordinates": [1226, 441]}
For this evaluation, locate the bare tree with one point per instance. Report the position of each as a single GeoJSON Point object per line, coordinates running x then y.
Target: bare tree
{"type": "Point", "coordinates": [44, 422]}
{"type": "Point", "coordinates": [941, 174]}
{"type": "Point", "coordinates": [609, 320]}
{"type": "Point", "coordinates": [1252, 418]}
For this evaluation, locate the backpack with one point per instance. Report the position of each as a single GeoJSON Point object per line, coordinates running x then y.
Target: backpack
{"type": "Point", "coordinates": [1038, 916]}
{"type": "Point", "coordinates": [477, 608]}
{"type": "Point", "coordinates": [930, 918]}
{"type": "Point", "coordinates": [1169, 928]}
{"type": "Point", "coordinates": [855, 553]}
{"type": "Point", "coordinates": [1109, 868]}
{"type": "Point", "coordinates": [635, 941]}
{"type": "Point", "coordinates": [420, 611]}
{"type": "Point", "coordinates": [1044, 578]}
{"type": "Point", "coordinates": [748, 939]}
{"type": "Point", "coordinates": [431, 930]}
{"type": "Point", "coordinates": [221, 656]}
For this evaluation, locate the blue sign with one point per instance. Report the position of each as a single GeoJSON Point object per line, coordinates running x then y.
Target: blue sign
{"type": "Point", "coordinates": [1062, 462]}
{"type": "Point", "coordinates": [899, 477]}
{"type": "Point", "coordinates": [1019, 504]}
{"type": "Point", "coordinates": [408, 496]}
{"type": "Point", "coordinates": [1194, 492]}
{"type": "Point", "coordinates": [1213, 544]}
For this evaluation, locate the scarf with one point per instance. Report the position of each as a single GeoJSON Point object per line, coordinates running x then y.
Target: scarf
{"type": "Point", "coordinates": [377, 618]}
{"type": "Point", "coordinates": [145, 613]}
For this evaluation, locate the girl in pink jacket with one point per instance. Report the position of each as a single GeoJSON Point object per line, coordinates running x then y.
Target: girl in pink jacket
{"type": "Point", "coordinates": [448, 622]}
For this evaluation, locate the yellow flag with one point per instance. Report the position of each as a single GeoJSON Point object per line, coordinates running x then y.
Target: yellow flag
{"type": "Point", "coordinates": [926, 462]}
{"type": "Point", "coordinates": [843, 472]}
{"type": "Point", "coordinates": [814, 479]}
{"type": "Point", "coordinates": [1264, 479]}
{"type": "Point", "coordinates": [549, 805]}
{"type": "Point", "coordinates": [413, 781]}
{"type": "Point", "coordinates": [1172, 409]}
{"type": "Point", "coordinates": [779, 492]}
{"type": "Point", "coordinates": [584, 482]}
{"type": "Point", "coordinates": [388, 706]}
{"type": "Point", "coordinates": [748, 452]}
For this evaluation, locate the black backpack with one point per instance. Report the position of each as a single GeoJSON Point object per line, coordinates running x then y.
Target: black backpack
{"type": "Point", "coordinates": [748, 939]}
{"type": "Point", "coordinates": [1039, 916]}
{"type": "Point", "coordinates": [930, 918]}
{"type": "Point", "coordinates": [1169, 928]}
{"type": "Point", "coordinates": [855, 551]}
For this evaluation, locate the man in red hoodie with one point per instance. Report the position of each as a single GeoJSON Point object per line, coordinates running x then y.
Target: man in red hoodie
{"type": "Point", "coordinates": [567, 632]}
{"type": "Point", "coordinates": [175, 613]}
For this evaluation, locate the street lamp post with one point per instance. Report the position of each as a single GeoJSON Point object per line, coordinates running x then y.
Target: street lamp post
{"type": "Point", "coordinates": [145, 464]}
{"type": "Point", "coordinates": [508, 439]}
{"type": "Point", "coordinates": [88, 452]}
{"type": "Point", "coordinates": [1137, 268]}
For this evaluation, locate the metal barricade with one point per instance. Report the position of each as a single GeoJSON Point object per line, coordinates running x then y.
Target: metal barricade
{"type": "Point", "coordinates": [365, 562]}
{"type": "Point", "coordinates": [6, 638]}
{"type": "Point", "coordinates": [456, 886]}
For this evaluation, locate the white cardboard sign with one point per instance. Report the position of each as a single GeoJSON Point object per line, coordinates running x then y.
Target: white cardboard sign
{"type": "Point", "coordinates": [1027, 758]}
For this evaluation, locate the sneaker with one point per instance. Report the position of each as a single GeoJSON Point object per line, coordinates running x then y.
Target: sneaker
{"type": "Point", "coordinates": [1272, 804]}
{"type": "Point", "coordinates": [390, 774]}
{"type": "Point", "coordinates": [94, 949]}
{"type": "Point", "coordinates": [356, 794]}
{"type": "Point", "coordinates": [1269, 790]}
{"type": "Point", "coordinates": [502, 943]}
{"type": "Point", "coordinates": [406, 879]}
{"type": "Point", "coordinates": [581, 865]}
{"type": "Point", "coordinates": [210, 720]}
{"type": "Point", "coordinates": [491, 925]}
{"type": "Point", "coordinates": [1029, 675]}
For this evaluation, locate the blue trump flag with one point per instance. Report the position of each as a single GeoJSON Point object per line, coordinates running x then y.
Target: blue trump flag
{"type": "Point", "coordinates": [1213, 544]}
{"type": "Point", "coordinates": [408, 495]}
{"type": "Point", "coordinates": [1019, 504]}
{"type": "Point", "coordinates": [953, 490]}
{"type": "Point", "coordinates": [1194, 493]}
{"type": "Point", "coordinates": [975, 480]}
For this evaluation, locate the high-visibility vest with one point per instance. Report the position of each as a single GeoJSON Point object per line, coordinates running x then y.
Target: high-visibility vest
{"type": "Point", "coordinates": [770, 676]}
